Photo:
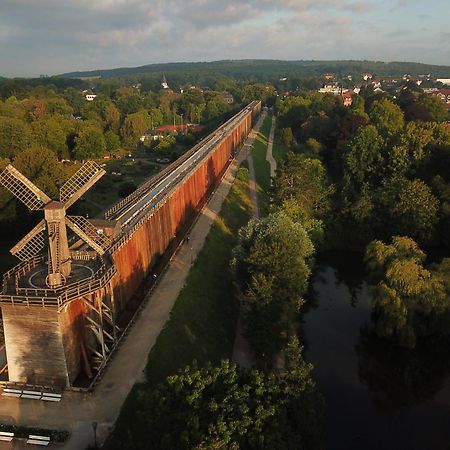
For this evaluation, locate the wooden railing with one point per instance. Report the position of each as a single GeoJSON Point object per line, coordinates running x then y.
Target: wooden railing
{"type": "Point", "coordinates": [57, 297]}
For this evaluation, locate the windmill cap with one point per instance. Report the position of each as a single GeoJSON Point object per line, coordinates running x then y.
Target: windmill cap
{"type": "Point", "coordinates": [54, 205]}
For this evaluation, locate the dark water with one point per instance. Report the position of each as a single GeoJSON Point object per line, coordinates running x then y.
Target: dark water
{"type": "Point", "coordinates": [377, 396]}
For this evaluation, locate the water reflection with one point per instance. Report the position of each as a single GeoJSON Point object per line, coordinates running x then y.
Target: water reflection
{"type": "Point", "coordinates": [378, 396]}
{"type": "Point", "coordinates": [398, 377]}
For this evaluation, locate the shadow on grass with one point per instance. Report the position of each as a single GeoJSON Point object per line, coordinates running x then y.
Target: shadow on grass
{"type": "Point", "coordinates": [262, 167]}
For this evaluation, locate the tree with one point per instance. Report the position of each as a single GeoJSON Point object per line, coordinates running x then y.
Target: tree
{"type": "Point", "coordinates": [15, 136]}
{"type": "Point", "coordinates": [112, 141]}
{"type": "Point", "coordinates": [49, 133]}
{"type": "Point", "coordinates": [128, 101]}
{"type": "Point", "coordinates": [287, 136]}
{"type": "Point", "coordinates": [89, 143]}
{"type": "Point", "coordinates": [387, 117]}
{"type": "Point", "coordinates": [134, 127]}
{"type": "Point", "coordinates": [363, 161]}
{"type": "Point", "coordinates": [166, 144]}
{"type": "Point", "coordinates": [272, 266]}
{"type": "Point", "coordinates": [218, 407]}
{"type": "Point", "coordinates": [408, 207]}
{"type": "Point", "coordinates": [435, 107]}
{"type": "Point", "coordinates": [258, 91]}
{"type": "Point", "coordinates": [408, 298]}
{"type": "Point", "coordinates": [41, 166]}
{"type": "Point", "coordinates": [303, 179]}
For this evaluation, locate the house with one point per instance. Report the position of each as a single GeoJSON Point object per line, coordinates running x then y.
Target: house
{"type": "Point", "coordinates": [443, 94]}
{"type": "Point", "coordinates": [228, 97]}
{"type": "Point", "coordinates": [329, 76]}
{"type": "Point", "coordinates": [443, 81]}
{"type": "Point", "coordinates": [332, 88]}
{"type": "Point", "coordinates": [347, 98]}
{"type": "Point", "coordinates": [376, 84]}
{"type": "Point", "coordinates": [90, 97]}
{"type": "Point", "coordinates": [367, 76]}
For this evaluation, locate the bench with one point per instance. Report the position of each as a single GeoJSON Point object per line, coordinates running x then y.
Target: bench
{"type": "Point", "coordinates": [6, 436]}
{"type": "Point", "coordinates": [50, 397]}
{"type": "Point", "coordinates": [8, 392]}
{"type": "Point", "coordinates": [38, 440]}
{"type": "Point", "coordinates": [31, 394]}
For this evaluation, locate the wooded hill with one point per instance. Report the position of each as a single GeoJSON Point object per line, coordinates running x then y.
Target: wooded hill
{"type": "Point", "coordinates": [261, 70]}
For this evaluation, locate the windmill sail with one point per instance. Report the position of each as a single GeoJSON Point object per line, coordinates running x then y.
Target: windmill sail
{"type": "Point", "coordinates": [59, 254]}
{"type": "Point", "coordinates": [23, 188]}
{"type": "Point", "coordinates": [86, 231]}
{"type": "Point", "coordinates": [32, 244]}
{"type": "Point", "coordinates": [80, 182]}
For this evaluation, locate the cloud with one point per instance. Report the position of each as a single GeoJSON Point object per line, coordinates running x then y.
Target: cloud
{"type": "Point", "coordinates": [53, 36]}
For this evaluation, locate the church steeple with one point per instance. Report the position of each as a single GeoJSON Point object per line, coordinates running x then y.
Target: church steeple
{"type": "Point", "coordinates": [164, 83]}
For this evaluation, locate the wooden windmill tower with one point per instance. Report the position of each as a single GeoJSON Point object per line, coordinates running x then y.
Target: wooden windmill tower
{"type": "Point", "coordinates": [52, 230]}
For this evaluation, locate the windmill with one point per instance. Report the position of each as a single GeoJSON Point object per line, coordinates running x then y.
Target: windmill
{"type": "Point", "coordinates": [55, 220]}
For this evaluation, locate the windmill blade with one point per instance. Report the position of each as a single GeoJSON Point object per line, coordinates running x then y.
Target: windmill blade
{"type": "Point", "coordinates": [23, 188]}
{"type": "Point", "coordinates": [80, 182]}
{"type": "Point", "coordinates": [86, 231]}
{"type": "Point", "coordinates": [32, 244]}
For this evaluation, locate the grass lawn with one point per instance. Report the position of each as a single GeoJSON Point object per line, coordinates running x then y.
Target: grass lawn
{"type": "Point", "coordinates": [262, 167]}
{"type": "Point", "coordinates": [106, 191]}
{"type": "Point", "coordinates": [203, 321]}
{"type": "Point", "coordinates": [202, 325]}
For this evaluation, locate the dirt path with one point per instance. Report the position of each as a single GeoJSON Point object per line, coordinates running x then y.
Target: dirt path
{"type": "Point", "coordinates": [242, 353]}
{"type": "Point", "coordinates": [78, 411]}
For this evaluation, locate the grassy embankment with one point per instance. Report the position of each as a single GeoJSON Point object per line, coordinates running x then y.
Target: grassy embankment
{"type": "Point", "coordinates": [203, 320]}
{"type": "Point", "coordinates": [262, 167]}
{"type": "Point", "coordinates": [279, 150]}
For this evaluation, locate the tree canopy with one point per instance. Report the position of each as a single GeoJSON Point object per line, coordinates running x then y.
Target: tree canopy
{"type": "Point", "coordinates": [405, 291]}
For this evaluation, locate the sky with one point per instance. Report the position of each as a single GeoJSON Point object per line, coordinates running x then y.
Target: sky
{"type": "Point", "coordinates": [48, 37]}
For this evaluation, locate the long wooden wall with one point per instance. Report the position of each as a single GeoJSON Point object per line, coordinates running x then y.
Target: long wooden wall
{"type": "Point", "coordinates": [145, 246]}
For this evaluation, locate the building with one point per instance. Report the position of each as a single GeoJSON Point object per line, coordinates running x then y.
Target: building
{"type": "Point", "coordinates": [443, 81]}
{"type": "Point", "coordinates": [367, 76]}
{"type": "Point", "coordinates": [228, 97]}
{"type": "Point", "coordinates": [443, 94]}
{"type": "Point", "coordinates": [164, 83]}
{"type": "Point", "coordinates": [90, 97]}
{"type": "Point", "coordinates": [332, 88]}
{"type": "Point", "coordinates": [329, 76]}
{"type": "Point", "coordinates": [347, 98]}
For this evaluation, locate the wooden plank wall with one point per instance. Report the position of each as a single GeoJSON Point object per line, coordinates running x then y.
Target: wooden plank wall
{"type": "Point", "coordinates": [34, 347]}
{"type": "Point", "coordinates": [135, 259]}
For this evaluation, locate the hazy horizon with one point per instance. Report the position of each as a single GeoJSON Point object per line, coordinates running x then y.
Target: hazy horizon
{"type": "Point", "coordinates": [51, 37]}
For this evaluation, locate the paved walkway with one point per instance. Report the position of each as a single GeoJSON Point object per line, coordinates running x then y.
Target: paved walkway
{"type": "Point", "coordinates": [78, 411]}
{"type": "Point", "coordinates": [269, 157]}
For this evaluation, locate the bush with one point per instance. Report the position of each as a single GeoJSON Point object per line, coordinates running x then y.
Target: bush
{"type": "Point", "coordinates": [126, 188]}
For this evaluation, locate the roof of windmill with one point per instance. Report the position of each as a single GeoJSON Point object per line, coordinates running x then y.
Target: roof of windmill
{"type": "Point", "coordinates": [54, 205]}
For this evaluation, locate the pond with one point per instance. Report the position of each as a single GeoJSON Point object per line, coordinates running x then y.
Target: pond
{"type": "Point", "coordinates": [377, 396]}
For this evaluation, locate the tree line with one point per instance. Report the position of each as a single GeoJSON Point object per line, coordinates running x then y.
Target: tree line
{"type": "Point", "coordinates": [387, 161]}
